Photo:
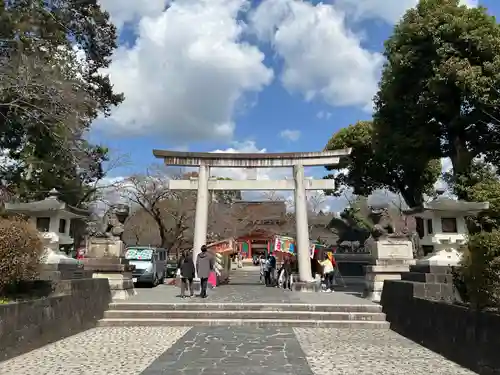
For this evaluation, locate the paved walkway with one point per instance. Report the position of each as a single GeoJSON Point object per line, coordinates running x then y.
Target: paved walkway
{"type": "Point", "coordinates": [233, 350]}
{"type": "Point", "coordinates": [245, 287]}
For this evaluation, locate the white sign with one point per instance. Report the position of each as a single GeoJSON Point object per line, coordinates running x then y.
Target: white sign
{"type": "Point", "coordinates": [312, 247]}
{"type": "Point", "coordinates": [393, 249]}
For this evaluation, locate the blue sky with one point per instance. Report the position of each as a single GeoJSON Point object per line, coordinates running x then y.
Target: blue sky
{"type": "Point", "coordinates": [275, 75]}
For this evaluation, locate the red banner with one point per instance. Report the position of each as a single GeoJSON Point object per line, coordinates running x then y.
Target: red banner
{"type": "Point", "coordinates": [228, 245]}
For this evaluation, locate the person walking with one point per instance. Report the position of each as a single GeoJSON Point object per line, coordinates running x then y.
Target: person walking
{"type": "Point", "coordinates": [272, 270]}
{"type": "Point", "coordinates": [186, 270]}
{"type": "Point", "coordinates": [287, 269]}
{"type": "Point", "coordinates": [267, 271]}
{"type": "Point", "coordinates": [262, 266]}
{"type": "Point", "coordinates": [204, 265]}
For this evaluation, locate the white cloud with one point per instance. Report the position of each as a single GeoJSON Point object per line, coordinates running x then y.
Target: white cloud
{"type": "Point", "coordinates": [188, 71]}
{"type": "Point", "coordinates": [388, 10]}
{"type": "Point", "coordinates": [322, 57]}
{"type": "Point", "coordinates": [324, 115]}
{"type": "Point", "coordinates": [125, 11]}
{"type": "Point", "coordinates": [290, 135]}
{"type": "Point", "coordinates": [249, 147]}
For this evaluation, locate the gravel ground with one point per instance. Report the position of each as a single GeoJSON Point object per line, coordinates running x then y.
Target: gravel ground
{"type": "Point", "coordinates": [100, 351]}
{"type": "Point", "coordinates": [370, 352]}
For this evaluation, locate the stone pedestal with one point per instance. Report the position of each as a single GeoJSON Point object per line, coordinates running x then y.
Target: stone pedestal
{"type": "Point", "coordinates": [63, 271]}
{"type": "Point", "coordinates": [105, 248]}
{"type": "Point", "coordinates": [117, 271]}
{"type": "Point", "coordinates": [392, 248]}
{"type": "Point", "coordinates": [304, 286]}
{"type": "Point", "coordinates": [120, 284]}
{"type": "Point", "coordinates": [104, 258]}
{"type": "Point", "coordinates": [390, 258]}
{"type": "Point", "coordinates": [308, 287]}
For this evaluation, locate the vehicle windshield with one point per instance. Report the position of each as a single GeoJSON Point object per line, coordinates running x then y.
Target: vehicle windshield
{"type": "Point", "coordinates": [139, 254]}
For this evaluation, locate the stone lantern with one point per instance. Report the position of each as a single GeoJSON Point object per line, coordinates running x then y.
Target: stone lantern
{"type": "Point", "coordinates": [52, 218]}
{"type": "Point", "coordinates": [443, 228]}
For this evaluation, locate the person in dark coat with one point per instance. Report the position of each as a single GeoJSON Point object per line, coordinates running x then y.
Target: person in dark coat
{"type": "Point", "coordinates": [272, 270]}
{"type": "Point", "coordinates": [187, 272]}
{"type": "Point", "coordinates": [204, 265]}
{"type": "Point", "coordinates": [287, 269]}
{"type": "Point", "coordinates": [267, 271]}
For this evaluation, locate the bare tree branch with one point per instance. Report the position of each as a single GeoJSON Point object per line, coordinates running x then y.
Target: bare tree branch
{"type": "Point", "coordinates": [171, 211]}
{"type": "Point", "coordinates": [315, 202]}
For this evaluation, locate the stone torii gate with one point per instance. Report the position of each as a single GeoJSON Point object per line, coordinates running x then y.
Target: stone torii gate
{"type": "Point", "coordinates": [296, 160]}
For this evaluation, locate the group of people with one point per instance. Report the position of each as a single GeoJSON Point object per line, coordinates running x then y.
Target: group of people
{"type": "Point", "coordinates": [269, 275]}
{"type": "Point", "coordinates": [268, 270]}
{"type": "Point", "coordinates": [326, 268]}
{"type": "Point", "coordinates": [205, 267]}
{"type": "Point", "coordinates": [187, 270]}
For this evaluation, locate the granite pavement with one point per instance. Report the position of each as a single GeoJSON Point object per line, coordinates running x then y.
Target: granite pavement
{"type": "Point", "coordinates": [245, 288]}
{"type": "Point", "coordinates": [233, 350]}
{"type": "Point", "coordinates": [100, 351]}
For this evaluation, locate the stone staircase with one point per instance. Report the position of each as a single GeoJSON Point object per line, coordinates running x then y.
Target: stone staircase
{"type": "Point", "coordinates": [356, 316]}
{"type": "Point", "coordinates": [431, 282]}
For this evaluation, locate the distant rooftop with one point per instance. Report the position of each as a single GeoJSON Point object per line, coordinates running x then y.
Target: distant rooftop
{"type": "Point", "coordinates": [447, 204]}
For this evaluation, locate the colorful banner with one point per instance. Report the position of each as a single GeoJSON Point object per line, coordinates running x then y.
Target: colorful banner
{"type": "Point", "coordinates": [287, 245]}
{"type": "Point", "coordinates": [244, 247]}
{"type": "Point", "coordinates": [227, 245]}
{"type": "Point", "coordinates": [284, 244]}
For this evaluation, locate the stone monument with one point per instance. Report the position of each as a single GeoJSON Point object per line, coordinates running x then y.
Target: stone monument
{"type": "Point", "coordinates": [105, 252]}
{"type": "Point", "coordinates": [106, 238]}
{"type": "Point", "coordinates": [391, 253]}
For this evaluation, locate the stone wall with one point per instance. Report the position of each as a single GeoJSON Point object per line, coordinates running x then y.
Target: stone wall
{"type": "Point", "coordinates": [73, 306]}
{"type": "Point", "coordinates": [421, 311]}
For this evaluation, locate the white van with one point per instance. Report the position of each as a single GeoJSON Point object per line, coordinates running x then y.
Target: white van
{"type": "Point", "coordinates": [150, 264]}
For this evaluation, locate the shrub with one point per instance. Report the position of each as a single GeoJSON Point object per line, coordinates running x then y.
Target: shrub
{"type": "Point", "coordinates": [21, 249]}
{"type": "Point", "coordinates": [478, 279]}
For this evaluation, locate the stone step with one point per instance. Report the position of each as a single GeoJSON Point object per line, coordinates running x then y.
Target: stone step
{"type": "Point", "coordinates": [193, 306]}
{"type": "Point", "coordinates": [244, 315]}
{"type": "Point", "coordinates": [425, 268]}
{"type": "Point", "coordinates": [348, 324]}
{"type": "Point", "coordinates": [427, 277]}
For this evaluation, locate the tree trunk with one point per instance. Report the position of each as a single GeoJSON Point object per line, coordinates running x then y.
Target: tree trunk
{"type": "Point", "coordinates": [409, 196]}
{"type": "Point", "coordinates": [461, 158]}
{"type": "Point", "coordinates": [162, 231]}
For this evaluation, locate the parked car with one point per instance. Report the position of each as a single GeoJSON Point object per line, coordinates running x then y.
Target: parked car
{"type": "Point", "coordinates": [171, 268]}
{"type": "Point", "coordinates": [150, 264]}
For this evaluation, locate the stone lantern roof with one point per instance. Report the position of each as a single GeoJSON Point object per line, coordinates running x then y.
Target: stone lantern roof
{"type": "Point", "coordinates": [51, 203]}
{"type": "Point", "coordinates": [448, 205]}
